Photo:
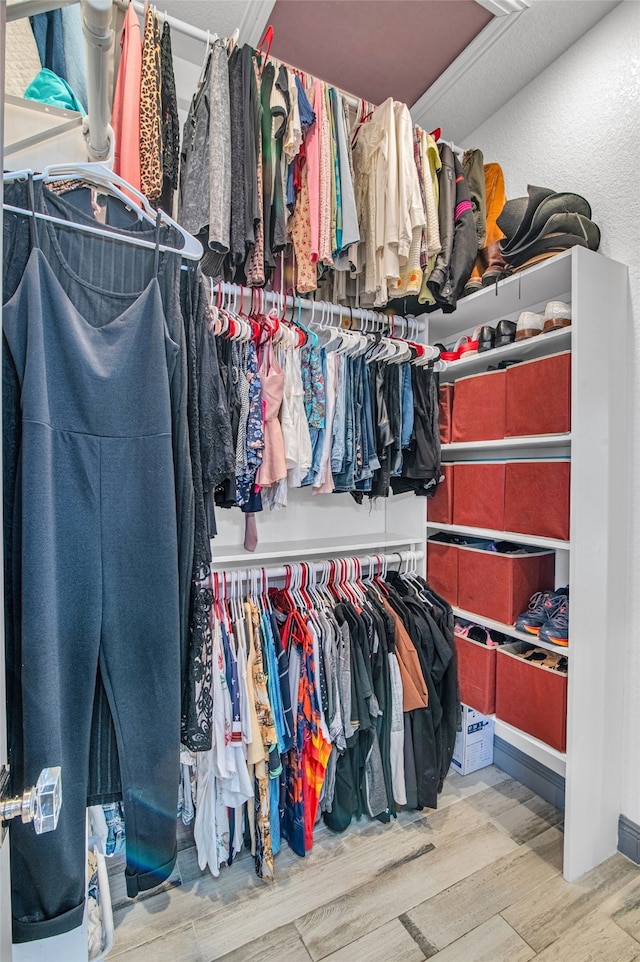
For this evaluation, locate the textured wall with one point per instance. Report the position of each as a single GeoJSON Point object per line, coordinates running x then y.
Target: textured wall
{"type": "Point", "coordinates": [575, 127]}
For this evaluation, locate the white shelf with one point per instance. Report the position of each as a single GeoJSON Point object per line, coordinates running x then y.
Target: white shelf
{"type": "Point", "coordinates": [535, 541]}
{"type": "Point", "coordinates": [509, 630]}
{"type": "Point", "coordinates": [533, 747]}
{"type": "Point", "coordinates": [274, 551]}
{"type": "Point", "coordinates": [528, 290]}
{"type": "Point", "coordinates": [527, 349]}
{"type": "Point", "coordinates": [535, 441]}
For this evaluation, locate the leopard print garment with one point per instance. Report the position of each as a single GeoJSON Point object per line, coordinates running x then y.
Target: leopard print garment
{"type": "Point", "coordinates": [151, 110]}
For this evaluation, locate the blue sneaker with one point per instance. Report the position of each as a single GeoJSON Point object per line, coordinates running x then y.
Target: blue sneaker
{"type": "Point", "coordinates": [541, 608]}
{"type": "Point", "coordinates": [556, 628]}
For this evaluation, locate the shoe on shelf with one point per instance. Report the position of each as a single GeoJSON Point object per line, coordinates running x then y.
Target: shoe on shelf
{"type": "Point", "coordinates": [542, 607]}
{"type": "Point", "coordinates": [486, 338]}
{"type": "Point", "coordinates": [556, 628]}
{"type": "Point", "coordinates": [557, 314]}
{"type": "Point", "coordinates": [505, 333]}
{"type": "Point", "coordinates": [530, 324]}
{"type": "Point", "coordinates": [463, 346]}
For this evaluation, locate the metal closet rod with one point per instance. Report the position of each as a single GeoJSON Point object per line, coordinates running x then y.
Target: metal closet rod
{"type": "Point", "coordinates": [181, 26]}
{"type": "Point", "coordinates": [206, 36]}
{"type": "Point", "coordinates": [306, 304]}
{"type": "Point", "coordinates": [315, 567]}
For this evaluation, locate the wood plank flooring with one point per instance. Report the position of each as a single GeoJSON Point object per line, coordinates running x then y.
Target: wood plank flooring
{"type": "Point", "coordinates": [478, 880]}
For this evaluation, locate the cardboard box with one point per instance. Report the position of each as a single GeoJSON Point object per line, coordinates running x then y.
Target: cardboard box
{"type": "Point", "coordinates": [476, 674]}
{"type": "Point", "coordinates": [531, 697]}
{"type": "Point", "coordinates": [445, 412]}
{"type": "Point", "coordinates": [538, 396]}
{"type": "Point", "coordinates": [474, 744]}
{"type": "Point", "coordinates": [537, 496]}
{"type": "Point", "coordinates": [479, 494]}
{"type": "Point", "coordinates": [440, 506]}
{"type": "Point", "coordinates": [479, 407]}
{"type": "Point", "coordinates": [499, 586]}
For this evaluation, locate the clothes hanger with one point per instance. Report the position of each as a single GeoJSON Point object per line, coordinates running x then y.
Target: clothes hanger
{"type": "Point", "coordinates": [101, 175]}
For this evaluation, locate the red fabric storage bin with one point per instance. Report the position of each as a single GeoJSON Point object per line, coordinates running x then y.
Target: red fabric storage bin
{"type": "Point", "coordinates": [479, 407]}
{"type": "Point", "coordinates": [479, 494]}
{"type": "Point", "coordinates": [537, 495]}
{"type": "Point", "coordinates": [440, 506]}
{"type": "Point", "coordinates": [476, 674]}
{"type": "Point", "coordinates": [445, 412]}
{"type": "Point", "coordinates": [499, 586]}
{"type": "Point", "coordinates": [531, 697]}
{"type": "Point", "coordinates": [538, 396]}
{"type": "Point", "coordinates": [442, 570]}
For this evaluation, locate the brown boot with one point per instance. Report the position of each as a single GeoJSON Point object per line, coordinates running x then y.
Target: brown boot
{"type": "Point", "coordinates": [475, 281]}
{"type": "Point", "coordinates": [494, 263]}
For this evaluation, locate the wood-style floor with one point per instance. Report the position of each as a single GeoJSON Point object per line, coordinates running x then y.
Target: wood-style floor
{"type": "Point", "coordinates": [478, 880]}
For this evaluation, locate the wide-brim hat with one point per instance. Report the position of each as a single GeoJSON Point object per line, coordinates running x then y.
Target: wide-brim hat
{"type": "Point", "coordinates": [555, 243]}
{"type": "Point", "coordinates": [572, 227]}
{"type": "Point", "coordinates": [516, 215]}
{"type": "Point", "coordinates": [560, 203]}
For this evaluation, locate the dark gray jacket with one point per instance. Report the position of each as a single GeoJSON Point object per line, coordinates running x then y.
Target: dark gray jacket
{"type": "Point", "coordinates": [458, 236]}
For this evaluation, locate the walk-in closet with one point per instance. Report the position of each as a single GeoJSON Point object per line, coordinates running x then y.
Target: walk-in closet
{"type": "Point", "coordinates": [319, 400]}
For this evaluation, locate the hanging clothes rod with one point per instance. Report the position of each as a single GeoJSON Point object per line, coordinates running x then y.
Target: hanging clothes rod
{"type": "Point", "coordinates": [316, 307]}
{"type": "Point", "coordinates": [96, 26]}
{"type": "Point", "coordinates": [187, 29]}
{"type": "Point", "coordinates": [207, 36]}
{"type": "Point", "coordinates": [276, 572]}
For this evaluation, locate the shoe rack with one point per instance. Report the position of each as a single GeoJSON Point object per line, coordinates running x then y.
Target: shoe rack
{"type": "Point", "coordinates": [593, 560]}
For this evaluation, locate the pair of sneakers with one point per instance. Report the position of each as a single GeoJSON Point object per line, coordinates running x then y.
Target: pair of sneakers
{"type": "Point", "coordinates": [547, 616]}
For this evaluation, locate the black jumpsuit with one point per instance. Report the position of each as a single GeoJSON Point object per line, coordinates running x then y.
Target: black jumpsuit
{"type": "Point", "coordinates": [95, 515]}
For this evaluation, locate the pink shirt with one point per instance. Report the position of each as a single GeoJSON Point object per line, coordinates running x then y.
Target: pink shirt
{"type": "Point", "coordinates": [126, 102]}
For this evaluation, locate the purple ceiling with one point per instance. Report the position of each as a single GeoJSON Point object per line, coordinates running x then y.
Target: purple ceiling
{"type": "Point", "coordinates": [375, 49]}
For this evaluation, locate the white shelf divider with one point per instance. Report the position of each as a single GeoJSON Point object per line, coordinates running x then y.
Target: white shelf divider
{"type": "Point", "coordinates": [509, 630]}
{"type": "Point", "coordinates": [526, 350]}
{"type": "Point", "coordinates": [534, 540]}
{"type": "Point", "coordinates": [535, 441]}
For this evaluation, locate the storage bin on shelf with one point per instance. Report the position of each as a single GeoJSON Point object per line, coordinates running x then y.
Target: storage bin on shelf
{"type": "Point", "coordinates": [527, 496]}
{"type": "Point", "coordinates": [440, 506]}
{"type": "Point", "coordinates": [479, 494]}
{"type": "Point", "coordinates": [442, 564]}
{"type": "Point", "coordinates": [479, 407]}
{"type": "Point", "coordinates": [537, 496]}
{"type": "Point", "coordinates": [489, 583]}
{"type": "Point", "coordinates": [499, 586]}
{"type": "Point", "coordinates": [538, 396]}
{"type": "Point", "coordinates": [476, 674]}
{"type": "Point", "coordinates": [530, 696]}
{"type": "Point", "coordinates": [445, 412]}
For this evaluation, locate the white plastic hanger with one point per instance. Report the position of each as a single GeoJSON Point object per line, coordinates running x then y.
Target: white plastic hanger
{"type": "Point", "coordinates": [102, 176]}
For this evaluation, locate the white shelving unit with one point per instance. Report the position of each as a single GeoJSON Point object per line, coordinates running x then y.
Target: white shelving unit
{"type": "Point", "coordinates": [322, 526]}
{"type": "Point", "coordinates": [593, 560]}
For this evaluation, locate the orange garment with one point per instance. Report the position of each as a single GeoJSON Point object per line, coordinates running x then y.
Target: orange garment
{"type": "Point", "coordinates": [315, 758]}
{"type": "Point", "coordinates": [496, 199]}
{"type": "Point", "coordinates": [414, 688]}
{"type": "Point", "coordinates": [126, 102]}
